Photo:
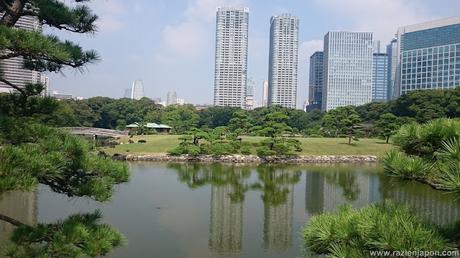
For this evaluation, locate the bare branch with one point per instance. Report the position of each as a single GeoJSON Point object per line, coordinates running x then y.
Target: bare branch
{"type": "Point", "coordinates": [5, 81]}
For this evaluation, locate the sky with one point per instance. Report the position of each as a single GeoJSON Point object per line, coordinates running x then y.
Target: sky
{"type": "Point", "coordinates": [169, 44]}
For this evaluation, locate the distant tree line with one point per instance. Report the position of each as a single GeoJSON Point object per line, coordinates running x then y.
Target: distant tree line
{"type": "Point", "coordinates": [370, 120]}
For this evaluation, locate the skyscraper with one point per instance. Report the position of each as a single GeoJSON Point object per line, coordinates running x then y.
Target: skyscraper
{"type": "Point", "coordinates": [429, 55]}
{"type": "Point", "coordinates": [12, 68]}
{"type": "Point", "coordinates": [231, 56]}
{"type": "Point", "coordinates": [392, 52]}
{"type": "Point", "coordinates": [316, 81]}
{"type": "Point", "coordinates": [348, 58]}
{"type": "Point", "coordinates": [250, 94]}
{"type": "Point", "coordinates": [127, 93]}
{"type": "Point", "coordinates": [137, 90]}
{"type": "Point", "coordinates": [283, 61]}
{"type": "Point", "coordinates": [171, 98]}
{"type": "Point", "coordinates": [380, 77]}
{"type": "Point", "coordinates": [265, 94]}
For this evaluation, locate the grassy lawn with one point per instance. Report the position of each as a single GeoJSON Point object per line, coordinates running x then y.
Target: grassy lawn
{"type": "Point", "coordinates": [310, 146]}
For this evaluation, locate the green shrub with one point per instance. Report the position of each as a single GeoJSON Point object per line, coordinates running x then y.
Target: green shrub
{"type": "Point", "coordinates": [425, 140]}
{"type": "Point", "coordinates": [222, 148]}
{"type": "Point", "coordinates": [353, 233]}
{"type": "Point", "coordinates": [398, 164]}
{"type": "Point", "coordinates": [246, 148]}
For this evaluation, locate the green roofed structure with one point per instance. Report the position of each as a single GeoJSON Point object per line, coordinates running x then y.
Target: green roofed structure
{"type": "Point", "coordinates": [159, 128]}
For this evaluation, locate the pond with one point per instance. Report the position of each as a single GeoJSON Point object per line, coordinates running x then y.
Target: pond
{"type": "Point", "coordinates": [192, 210]}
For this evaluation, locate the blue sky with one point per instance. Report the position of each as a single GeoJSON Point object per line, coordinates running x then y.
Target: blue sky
{"type": "Point", "coordinates": [169, 44]}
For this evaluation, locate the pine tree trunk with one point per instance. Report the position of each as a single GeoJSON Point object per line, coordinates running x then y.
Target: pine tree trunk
{"type": "Point", "coordinates": [12, 12]}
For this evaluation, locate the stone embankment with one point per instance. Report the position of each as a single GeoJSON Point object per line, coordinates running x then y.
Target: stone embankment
{"type": "Point", "coordinates": [249, 159]}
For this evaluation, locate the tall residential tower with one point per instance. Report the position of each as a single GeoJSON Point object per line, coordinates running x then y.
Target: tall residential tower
{"type": "Point", "coordinates": [137, 90]}
{"type": "Point", "coordinates": [348, 58]}
{"type": "Point", "coordinates": [283, 60]}
{"type": "Point", "coordinates": [231, 57]}
{"type": "Point", "coordinates": [12, 68]}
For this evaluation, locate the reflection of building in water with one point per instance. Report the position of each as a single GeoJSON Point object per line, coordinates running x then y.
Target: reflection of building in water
{"type": "Point", "coordinates": [226, 227]}
{"type": "Point", "coordinates": [314, 189]}
{"type": "Point", "coordinates": [278, 222]}
{"type": "Point", "coordinates": [325, 191]}
{"type": "Point", "coordinates": [18, 205]}
{"type": "Point", "coordinates": [434, 206]}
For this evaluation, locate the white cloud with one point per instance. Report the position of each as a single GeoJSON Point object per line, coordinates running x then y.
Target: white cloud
{"type": "Point", "coordinates": [383, 17]}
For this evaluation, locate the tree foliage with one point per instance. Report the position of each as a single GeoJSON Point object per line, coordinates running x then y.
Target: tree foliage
{"type": "Point", "coordinates": [33, 153]}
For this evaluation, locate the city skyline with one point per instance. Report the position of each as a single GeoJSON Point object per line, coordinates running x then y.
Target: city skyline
{"type": "Point", "coordinates": [159, 60]}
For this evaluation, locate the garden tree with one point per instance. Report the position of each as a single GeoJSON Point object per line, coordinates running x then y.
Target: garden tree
{"type": "Point", "coordinates": [180, 118]}
{"type": "Point", "coordinates": [32, 153]}
{"type": "Point", "coordinates": [274, 127]}
{"type": "Point", "coordinates": [371, 112]}
{"type": "Point", "coordinates": [240, 122]}
{"type": "Point", "coordinates": [216, 116]}
{"type": "Point", "coordinates": [299, 120]}
{"type": "Point", "coordinates": [425, 105]}
{"type": "Point", "coordinates": [83, 114]}
{"type": "Point", "coordinates": [387, 125]}
{"type": "Point", "coordinates": [342, 121]}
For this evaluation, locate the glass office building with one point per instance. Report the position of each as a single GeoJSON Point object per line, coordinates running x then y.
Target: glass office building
{"type": "Point", "coordinates": [430, 55]}
{"type": "Point", "coordinates": [316, 81]}
{"type": "Point", "coordinates": [380, 77]}
{"type": "Point", "coordinates": [392, 52]}
{"type": "Point", "coordinates": [348, 60]}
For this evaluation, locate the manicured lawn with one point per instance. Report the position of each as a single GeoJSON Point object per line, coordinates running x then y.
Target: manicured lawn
{"type": "Point", "coordinates": [310, 146]}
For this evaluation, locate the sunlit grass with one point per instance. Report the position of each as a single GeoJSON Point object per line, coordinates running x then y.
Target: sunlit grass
{"type": "Point", "coordinates": [310, 146]}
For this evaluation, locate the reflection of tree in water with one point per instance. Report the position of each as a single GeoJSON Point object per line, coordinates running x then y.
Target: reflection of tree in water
{"type": "Point", "coordinates": [277, 185]}
{"type": "Point", "coordinates": [196, 176]}
{"type": "Point", "coordinates": [228, 188]}
{"type": "Point", "coordinates": [347, 181]}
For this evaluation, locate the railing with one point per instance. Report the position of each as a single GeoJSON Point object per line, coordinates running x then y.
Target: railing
{"type": "Point", "coordinates": [96, 131]}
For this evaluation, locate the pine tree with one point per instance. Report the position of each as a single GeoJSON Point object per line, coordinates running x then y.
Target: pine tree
{"type": "Point", "coordinates": [33, 153]}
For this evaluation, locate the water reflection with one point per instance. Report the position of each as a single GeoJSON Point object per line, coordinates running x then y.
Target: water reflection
{"type": "Point", "coordinates": [277, 187]}
{"type": "Point", "coordinates": [328, 188]}
{"type": "Point", "coordinates": [193, 210]}
{"type": "Point", "coordinates": [19, 205]}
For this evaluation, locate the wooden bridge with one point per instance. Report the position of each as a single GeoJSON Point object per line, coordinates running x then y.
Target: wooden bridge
{"type": "Point", "coordinates": [96, 132]}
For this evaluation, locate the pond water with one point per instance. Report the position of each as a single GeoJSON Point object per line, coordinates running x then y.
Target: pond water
{"type": "Point", "coordinates": [191, 210]}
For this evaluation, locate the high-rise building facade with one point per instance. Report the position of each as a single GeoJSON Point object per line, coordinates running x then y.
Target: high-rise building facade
{"type": "Point", "coordinates": [12, 68]}
{"type": "Point", "coordinates": [250, 101]}
{"type": "Point", "coordinates": [392, 52]}
{"type": "Point", "coordinates": [316, 81]}
{"type": "Point", "coordinates": [171, 98]}
{"type": "Point", "coordinates": [137, 90]}
{"type": "Point", "coordinates": [429, 55]}
{"type": "Point", "coordinates": [265, 94]}
{"type": "Point", "coordinates": [348, 58]}
{"type": "Point", "coordinates": [380, 77]}
{"type": "Point", "coordinates": [283, 61]}
{"type": "Point", "coordinates": [231, 57]}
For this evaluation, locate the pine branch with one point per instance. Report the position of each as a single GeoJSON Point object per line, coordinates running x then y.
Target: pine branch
{"type": "Point", "coordinates": [11, 221]}
{"type": "Point", "coordinates": [5, 81]}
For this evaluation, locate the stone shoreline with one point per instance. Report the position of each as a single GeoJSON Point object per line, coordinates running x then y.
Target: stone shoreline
{"type": "Point", "coordinates": [250, 159]}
